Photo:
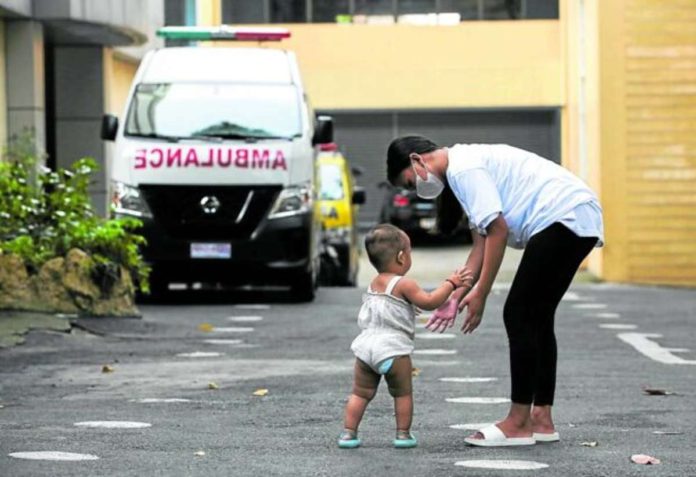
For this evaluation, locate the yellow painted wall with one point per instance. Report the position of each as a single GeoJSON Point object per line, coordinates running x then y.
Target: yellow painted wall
{"type": "Point", "coordinates": [123, 70]}
{"type": "Point", "coordinates": [3, 89]}
{"type": "Point", "coordinates": [473, 64]}
{"type": "Point", "coordinates": [208, 12]}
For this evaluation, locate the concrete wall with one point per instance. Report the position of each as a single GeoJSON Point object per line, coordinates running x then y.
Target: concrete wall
{"type": "Point", "coordinates": [3, 91]}
{"type": "Point", "coordinates": [18, 7]}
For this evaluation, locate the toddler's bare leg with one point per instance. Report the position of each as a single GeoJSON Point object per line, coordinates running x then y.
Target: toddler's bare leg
{"type": "Point", "coordinates": [399, 381]}
{"type": "Point", "coordinates": [365, 384]}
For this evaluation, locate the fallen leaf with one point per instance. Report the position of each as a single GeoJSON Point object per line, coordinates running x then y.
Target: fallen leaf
{"type": "Point", "coordinates": [644, 459]}
{"type": "Point", "coordinates": [657, 392]}
{"type": "Point", "coordinates": [260, 392]}
{"type": "Point", "coordinates": [199, 454]}
{"type": "Point", "coordinates": [668, 433]}
{"type": "Point", "coordinates": [213, 385]}
{"type": "Point", "coordinates": [205, 327]}
{"type": "Point", "coordinates": [107, 369]}
{"type": "Point", "coordinates": [589, 444]}
{"type": "Point", "coordinates": [415, 371]}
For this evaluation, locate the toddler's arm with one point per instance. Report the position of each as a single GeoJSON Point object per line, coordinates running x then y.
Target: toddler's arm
{"type": "Point", "coordinates": [429, 301]}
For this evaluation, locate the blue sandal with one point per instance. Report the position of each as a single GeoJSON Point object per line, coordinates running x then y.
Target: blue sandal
{"type": "Point", "coordinates": [348, 439]}
{"type": "Point", "coordinates": [405, 440]}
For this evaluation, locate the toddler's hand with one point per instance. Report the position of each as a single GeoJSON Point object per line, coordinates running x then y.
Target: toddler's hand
{"type": "Point", "coordinates": [443, 317]}
{"type": "Point", "coordinates": [462, 277]}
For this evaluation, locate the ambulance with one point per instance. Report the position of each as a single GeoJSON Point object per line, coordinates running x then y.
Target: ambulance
{"type": "Point", "coordinates": [216, 155]}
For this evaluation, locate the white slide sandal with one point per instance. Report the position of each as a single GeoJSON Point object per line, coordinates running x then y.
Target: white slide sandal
{"type": "Point", "coordinates": [494, 437]}
{"type": "Point", "coordinates": [546, 436]}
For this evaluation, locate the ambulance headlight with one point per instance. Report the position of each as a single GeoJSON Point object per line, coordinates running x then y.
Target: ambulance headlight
{"type": "Point", "coordinates": [293, 200]}
{"type": "Point", "coordinates": [126, 200]}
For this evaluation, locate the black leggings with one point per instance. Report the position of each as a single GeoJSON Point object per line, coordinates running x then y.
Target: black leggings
{"type": "Point", "coordinates": [548, 265]}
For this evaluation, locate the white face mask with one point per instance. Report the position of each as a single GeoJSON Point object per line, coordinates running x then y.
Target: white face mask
{"type": "Point", "coordinates": [428, 188]}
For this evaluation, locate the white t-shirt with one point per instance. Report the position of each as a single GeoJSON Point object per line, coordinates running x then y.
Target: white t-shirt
{"type": "Point", "coordinates": [531, 192]}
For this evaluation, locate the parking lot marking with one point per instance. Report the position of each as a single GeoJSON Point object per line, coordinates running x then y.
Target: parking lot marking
{"type": "Point", "coordinates": [604, 315]}
{"type": "Point", "coordinates": [502, 464]}
{"type": "Point", "coordinates": [224, 342]}
{"type": "Point", "coordinates": [643, 344]}
{"type": "Point", "coordinates": [257, 306]}
{"type": "Point", "coordinates": [473, 426]}
{"type": "Point", "coordinates": [436, 336]}
{"type": "Point", "coordinates": [52, 455]}
{"type": "Point", "coordinates": [113, 424]}
{"type": "Point", "coordinates": [571, 296]}
{"type": "Point", "coordinates": [589, 306]}
{"type": "Point", "coordinates": [618, 326]}
{"type": "Point", "coordinates": [200, 354]}
{"type": "Point", "coordinates": [159, 400]}
{"type": "Point", "coordinates": [245, 319]}
{"type": "Point", "coordinates": [438, 363]}
{"type": "Point", "coordinates": [232, 329]}
{"type": "Point", "coordinates": [478, 400]}
{"type": "Point", "coordinates": [435, 351]}
{"type": "Point", "coordinates": [468, 380]}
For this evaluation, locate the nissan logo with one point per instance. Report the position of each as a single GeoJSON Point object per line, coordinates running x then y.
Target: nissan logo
{"type": "Point", "coordinates": [210, 204]}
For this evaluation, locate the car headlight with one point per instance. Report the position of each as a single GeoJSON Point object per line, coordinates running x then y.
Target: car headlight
{"type": "Point", "coordinates": [293, 200]}
{"type": "Point", "coordinates": [337, 234]}
{"type": "Point", "coordinates": [126, 200]}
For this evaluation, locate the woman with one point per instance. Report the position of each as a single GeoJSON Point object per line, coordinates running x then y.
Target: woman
{"type": "Point", "coordinates": [514, 197]}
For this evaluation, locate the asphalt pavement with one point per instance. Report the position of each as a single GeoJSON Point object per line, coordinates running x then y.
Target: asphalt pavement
{"type": "Point", "coordinates": [252, 385]}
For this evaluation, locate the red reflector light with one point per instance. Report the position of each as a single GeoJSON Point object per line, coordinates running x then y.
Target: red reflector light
{"type": "Point", "coordinates": [261, 36]}
{"type": "Point", "coordinates": [328, 146]}
{"type": "Point", "coordinates": [401, 201]}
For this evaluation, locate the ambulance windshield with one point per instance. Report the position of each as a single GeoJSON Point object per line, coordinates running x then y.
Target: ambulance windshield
{"type": "Point", "coordinates": [216, 111]}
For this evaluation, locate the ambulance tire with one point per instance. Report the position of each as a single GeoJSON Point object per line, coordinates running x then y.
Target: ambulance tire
{"type": "Point", "coordinates": [305, 287]}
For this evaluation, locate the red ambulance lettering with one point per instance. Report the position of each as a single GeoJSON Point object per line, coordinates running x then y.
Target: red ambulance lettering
{"type": "Point", "coordinates": [279, 161]}
{"type": "Point", "coordinates": [140, 159]}
{"type": "Point", "coordinates": [158, 162]}
{"type": "Point", "coordinates": [191, 158]}
{"type": "Point", "coordinates": [241, 159]}
{"type": "Point", "coordinates": [211, 155]}
{"type": "Point", "coordinates": [173, 156]}
{"type": "Point", "coordinates": [224, 160]}
{"type": "Point", "coordinates": [259, 158]}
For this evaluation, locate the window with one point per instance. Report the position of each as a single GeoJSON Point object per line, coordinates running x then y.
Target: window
{"type": "Point", "coordinates": [382, 11]}
{"type": "Point", "coordinates": [331, 180]}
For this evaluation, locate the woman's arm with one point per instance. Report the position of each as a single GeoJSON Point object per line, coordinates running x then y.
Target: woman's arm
{"type": "Point", "coordinates": [493, 252]}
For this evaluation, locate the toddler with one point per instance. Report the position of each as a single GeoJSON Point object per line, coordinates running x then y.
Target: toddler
{"type": "Point", "coordinates": [387, 319]}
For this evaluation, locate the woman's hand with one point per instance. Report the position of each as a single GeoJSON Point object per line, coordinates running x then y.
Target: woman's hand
{"type": "Point", "coordinates": [474, 302]}
{"type": "Point", "coordinates": [443, 317]}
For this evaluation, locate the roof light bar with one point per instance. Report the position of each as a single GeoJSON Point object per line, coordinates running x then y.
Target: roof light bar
{"type": "Point", "coordinates": [222, 32]}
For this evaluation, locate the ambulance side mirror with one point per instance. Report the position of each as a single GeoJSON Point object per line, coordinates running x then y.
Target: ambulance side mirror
{"type": "Point", "coordinates": [359, 195]}
{"type": "Point", "coordinates": [323, 132]}
{"type": "Point", "coordinates": [109, 127]}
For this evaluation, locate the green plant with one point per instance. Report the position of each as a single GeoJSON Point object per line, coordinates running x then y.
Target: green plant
{"type": "Point", "coordinates": [45, 213]}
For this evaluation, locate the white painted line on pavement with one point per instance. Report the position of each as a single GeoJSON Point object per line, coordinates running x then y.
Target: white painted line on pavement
{"type": "Point", "coordinates": [468, 380]}
{"type": "Point", "coordinates": [618, 326]}
{"type": "Point", "coordinates": [644, 345]}
{"type": "Point", "coordinates": [502, 464]}
{"type": "Point", "coordinates": [257, 306]}
{"type": "Point", "coordinates": [52, 455]}
{"type": "Point", "coordinates": [113, 424]}
{"type": "Point", "coordinates": [571, 296]}
{"type": "Point", "coordinates": [245, 319]}
{"type": "Point", "coordinates": [604, 315]}
{"type": "Point", "coordinates": [478, 400]}
{"type": "Point", "coordinates": [232, 329]}
{"type": "Point", "coordinates": [437, 363]}
{"type": "Point", "coordinates": [420, 325]}
{"type": "Point", "coordinates": [436, 336]}
{"type": "Point", "coordinates": [200, 354]}
{"type": "Point", "coordinates": [435, 351]}
{"type": "Point", "coordinates": [474, 426]}
{"type": "Point", "coordinates": [589, 306]}
{"type": "Point", "coordinates": [159, 400]}
{"type": "Point", "coordinates": [225, 342]}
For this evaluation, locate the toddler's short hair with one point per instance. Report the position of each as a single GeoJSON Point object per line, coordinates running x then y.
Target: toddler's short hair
{"type": "Point", "coordinates": [383, 242]}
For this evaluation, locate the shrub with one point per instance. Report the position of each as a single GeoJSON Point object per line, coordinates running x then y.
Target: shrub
{"type": "Point", "coordinates": [45, 213]}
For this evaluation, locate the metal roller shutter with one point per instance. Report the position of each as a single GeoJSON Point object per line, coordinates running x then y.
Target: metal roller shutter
{"type": "Point", "coordinates": [365, 136]}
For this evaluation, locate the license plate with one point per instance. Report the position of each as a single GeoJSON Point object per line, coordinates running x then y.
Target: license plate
{"type": "Point", "coordinates": [427, 223]}
{"type": "Point", "coordinates": [211, 250]}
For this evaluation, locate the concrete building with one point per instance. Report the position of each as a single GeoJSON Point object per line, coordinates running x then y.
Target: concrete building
{"type": "Point", "coordinates": [61, 70]}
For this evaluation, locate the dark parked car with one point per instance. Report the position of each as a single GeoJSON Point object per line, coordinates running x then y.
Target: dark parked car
{"type": "Point", "coordinates": [416, 216]}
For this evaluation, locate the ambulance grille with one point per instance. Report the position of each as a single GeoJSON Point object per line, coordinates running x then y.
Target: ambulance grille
{"type": "Point", "coordinates": [179, 209]}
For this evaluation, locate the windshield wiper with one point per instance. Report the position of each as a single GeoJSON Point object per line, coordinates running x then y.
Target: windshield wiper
{"type": "Point", "coordinates": [154, 136]}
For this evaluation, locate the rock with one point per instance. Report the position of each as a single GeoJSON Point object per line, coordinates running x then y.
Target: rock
{"type": "Point", "coordinates": [15, 289]}
{"type": "Point", "coordinates": [50, 290]}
